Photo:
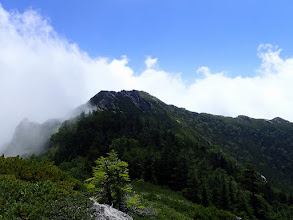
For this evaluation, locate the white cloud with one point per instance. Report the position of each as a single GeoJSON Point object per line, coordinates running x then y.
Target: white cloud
{"type": "Point", "coordinates": [205, 71]}
{"type": "Point", "coordinates": [43, 76]}
{"type": "Point", "coordinates": [151, 62]}
{"type": "Point", "coordinates": [267, 95]}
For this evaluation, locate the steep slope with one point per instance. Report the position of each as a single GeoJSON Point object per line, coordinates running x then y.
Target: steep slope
{"type": "Point", "coordinates": [266, 143]}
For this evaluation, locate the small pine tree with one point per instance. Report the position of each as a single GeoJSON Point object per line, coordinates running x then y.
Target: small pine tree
{"type": "Point", "coordinates": [111, 178]}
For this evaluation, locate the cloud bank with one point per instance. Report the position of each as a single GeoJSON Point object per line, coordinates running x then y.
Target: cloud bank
{"type": "Point", "coordinates": [44, 76]}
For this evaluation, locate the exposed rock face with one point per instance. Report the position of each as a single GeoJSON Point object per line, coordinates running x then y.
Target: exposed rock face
{"type": "Point", "coordinates": [106, 212]}
{"type": "Point", "coordinates": [126, 101]}
{"type": "Point", "coordinates": [279, 120]}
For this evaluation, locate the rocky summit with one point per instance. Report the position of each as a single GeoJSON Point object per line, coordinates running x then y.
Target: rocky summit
{"type": "Point", "coordinates": [124, 101]}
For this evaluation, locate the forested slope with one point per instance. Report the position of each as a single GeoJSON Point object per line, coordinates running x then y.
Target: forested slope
{"type": "Point", "coordinates": [199, 155]}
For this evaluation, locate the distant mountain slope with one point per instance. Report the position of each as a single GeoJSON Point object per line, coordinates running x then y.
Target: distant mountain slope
{"type": "Point", "coordinates": [30, 137]}
{"type": "Point", "coordinates": [33, 138]}
{"type": "Point", "coordinates": [266, 143]}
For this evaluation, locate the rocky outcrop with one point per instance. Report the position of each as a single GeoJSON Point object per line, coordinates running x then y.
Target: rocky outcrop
{"type": "Point", "coordinates": [106, 212]}
{"type": "Point", "coordinates": [126, 101]}
{"type": "Point", "coordinates": [279, 120]}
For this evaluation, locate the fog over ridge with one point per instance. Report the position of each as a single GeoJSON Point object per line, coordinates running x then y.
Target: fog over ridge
{"type": "Point", "coordinates": [43, 76]}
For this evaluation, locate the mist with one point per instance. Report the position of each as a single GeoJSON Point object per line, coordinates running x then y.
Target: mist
{"type": "Point", "coordinates": [44, 76]}
{"type": "Point", "coordinates": [31, 138]}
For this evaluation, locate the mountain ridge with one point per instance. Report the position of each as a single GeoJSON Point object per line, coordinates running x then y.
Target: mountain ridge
{"type": "Point", "coordinates": [245, 138]}
{"type": "Point", "coordinates": [110, 100]}
{"type": "Point", "coordinates": [105, 100]}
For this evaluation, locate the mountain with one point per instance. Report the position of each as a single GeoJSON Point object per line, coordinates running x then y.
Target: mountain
{"type": "Point", "coordinates": [242, 165]}
{"type": "Point", "coordinates": [30, 137]}
{"type": "Point", "coordinates": [266, 143]}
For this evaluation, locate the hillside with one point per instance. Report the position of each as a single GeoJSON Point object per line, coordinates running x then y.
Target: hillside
{"type": "Point", "coordinates": [266, 143]}
{"type": "Point", "coordinates": [200, 155]}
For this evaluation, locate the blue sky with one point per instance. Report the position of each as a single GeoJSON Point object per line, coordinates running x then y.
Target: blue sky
{"type": "Point", "coordinates": [183, 35]}
{"type": "Point", "coordinates": [229, 57]}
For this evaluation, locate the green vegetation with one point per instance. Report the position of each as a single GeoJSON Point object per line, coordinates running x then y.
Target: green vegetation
{"type": "Point", "coordinates": [267, 144]}
{"type": "Point", "coordinates": [164, 203]}
{"type": "Point", "coordinates": [110, 179]}
{"type": "Point", "coordinates": [33, 190]}
{"type": "Point", "coordinates": [158, 151]}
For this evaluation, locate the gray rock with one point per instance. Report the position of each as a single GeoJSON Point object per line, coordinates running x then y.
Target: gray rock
{"type": "Point", "coordinates": [106, 212]}
{"type": "Point", "coordinates": [124, 101]}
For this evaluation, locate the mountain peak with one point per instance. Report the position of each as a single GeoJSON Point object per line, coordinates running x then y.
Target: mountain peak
{"type": "Point", "coordinates": [126, 101]}
{"type": "Point", "coordinates": [279, 120]}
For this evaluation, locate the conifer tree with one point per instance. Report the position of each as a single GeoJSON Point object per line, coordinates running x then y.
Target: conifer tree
{"type": "Point", "coordinates": [111, 178]}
